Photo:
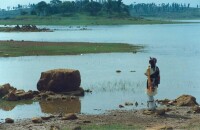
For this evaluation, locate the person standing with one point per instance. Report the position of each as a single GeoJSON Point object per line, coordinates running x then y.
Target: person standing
{"type": "Point", "coordinates": [153, 79]}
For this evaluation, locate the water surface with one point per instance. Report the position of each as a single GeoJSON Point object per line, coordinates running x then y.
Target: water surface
{"type": "Point", "coordinates": [175, 46]}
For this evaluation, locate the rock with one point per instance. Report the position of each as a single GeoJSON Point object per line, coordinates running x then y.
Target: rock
{"type": "Point", "coordinates": [47, 117]}
{"type": "Point", "coordinates": [86, 121]}
{"type": "Point", "coordinates": [5, 89]}
{"type": "Point", "coordinates": [118, 71]}
{"type": "Point", "coordinates": [128, 104]}
{"type": "Point", "coordinates": [11, 97]}
{"type": "Point", "coordinates": [136, 104]}
{"type": "Point", "coordinates": [160, 112]}
{"type": "Point", "coordinates": [9, 120]}
{"type": "Point", "coordinates": [147, 112]}
{"type": "Point", "coordinates": [54, 128]}
{"type": "Point", "coordinates": [70, 116]}
{"type": "Point", "coordinates": [36, 120]}
{"type": "Point", "coordinates": [163, 102]}
{"type": "Point", "coordinates": [59, 80]}
{"type": "Point", "coordinates": [25, 95]}
{"type": "Point", "coordinates": [196, 109]}
{"type": "Point", "coordinates": [186, 100]}
{"type": "Point", "coordinates": [88, 91]}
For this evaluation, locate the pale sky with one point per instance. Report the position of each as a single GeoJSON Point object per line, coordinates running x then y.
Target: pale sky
{"type": "Point", "coordinates": [5, 3]}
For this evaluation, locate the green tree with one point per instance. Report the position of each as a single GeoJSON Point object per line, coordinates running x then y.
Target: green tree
{"type": "Point", "coordinates": [68, 7]}
{"type": "Point", "coordinates": [42, 8]}
{"type": "Point", "coordinates": [93, 7]}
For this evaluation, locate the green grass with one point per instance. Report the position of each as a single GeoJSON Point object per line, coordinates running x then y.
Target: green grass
{"type": "Point", "coordinates": [109, 127]}
{"type": "Point", "coordinates": [78, 19]}
{"type": "Point", "coordinates": [24, 48]}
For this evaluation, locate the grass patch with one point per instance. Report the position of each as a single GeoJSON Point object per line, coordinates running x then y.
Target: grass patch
{"type": "Point", "coordinates": [78, 19]}
{"type": "Point", "coordinates": [27, 48]}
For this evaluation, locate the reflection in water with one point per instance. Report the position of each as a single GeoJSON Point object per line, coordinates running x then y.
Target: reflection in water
{"type": "Point", "coordinates": [10, 105]}
{"type": "Point", "coordinates": [61, 106]}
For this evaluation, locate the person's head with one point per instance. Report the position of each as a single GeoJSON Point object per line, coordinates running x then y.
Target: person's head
{"type": "Point", "coordinates": [152, 62]}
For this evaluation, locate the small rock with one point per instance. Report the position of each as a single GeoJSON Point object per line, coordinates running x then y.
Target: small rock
{"type": "Point", "coordinates": [160, 112]}
{"type": "Point", "coordinates": [70, 116]}
{"type": "Point", "coordinates": [196, 109]}
{"type": "Point", "coordinates": [148, 112]}
{"type": "Point", "coordinates": [47, 117]}
{"type": "Point", "coordinates": [73, 97]}
{"type": "Point", "coordinates": [9, 120]}
{"type": "Point", "coordinates": [88, 91]}
{"type": "Point", "coordinates": [118, 71]}
{"type": "Point", "coordinates": [128, 104]}
{"type": "Point", "coordinates": [36, 120]}
{"type": "Point", "coordinates": [54, 128]}
{"type": "Point", "coordinates": [167, 109]}
{"type": "Point", "coordinates": [86, 121]}
{"type": "Point", "coordinates": [136, 104]}
{"type": "Point", "coordinates": [121, 106]}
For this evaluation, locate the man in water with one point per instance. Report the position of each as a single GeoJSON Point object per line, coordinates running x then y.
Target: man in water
{"type": "Point", "coordinates": [153, 74]}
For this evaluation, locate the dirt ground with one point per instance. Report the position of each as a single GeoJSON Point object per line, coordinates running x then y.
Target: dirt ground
{"type": "Point", "coordinates": [174, 118]}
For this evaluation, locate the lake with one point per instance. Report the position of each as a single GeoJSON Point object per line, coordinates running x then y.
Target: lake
{"type": "Point", "coordinates": [176, 47]}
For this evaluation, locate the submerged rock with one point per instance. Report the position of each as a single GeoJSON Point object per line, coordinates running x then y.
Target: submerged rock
{"type": "Point", "coordinates": [59, 80]}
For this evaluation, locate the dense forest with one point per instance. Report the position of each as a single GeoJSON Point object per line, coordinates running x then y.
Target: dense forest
{"type": "Point", "coordinates": [174, 10]}
{"type": "Point", "coordinates": [84, 6]}
{"type": "Point", "coordinates": [103, 8]}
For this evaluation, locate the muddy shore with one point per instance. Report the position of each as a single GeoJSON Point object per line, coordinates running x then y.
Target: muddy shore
{"type": "Point", "coordinates": [174, 118]}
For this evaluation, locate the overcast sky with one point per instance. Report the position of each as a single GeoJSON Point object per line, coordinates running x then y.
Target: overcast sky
{"type": "Point", "coordinates": [5, 3]}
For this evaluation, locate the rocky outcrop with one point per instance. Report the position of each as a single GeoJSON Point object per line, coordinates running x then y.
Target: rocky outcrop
{"type": "Point", "coordinates": [184, 100]}
{"type": "Point", "coordinates": [24, 28]}
{"type": "Point", "coordinates": [59, 80]}
{"type": "Point", "coordinates": [5, 89]}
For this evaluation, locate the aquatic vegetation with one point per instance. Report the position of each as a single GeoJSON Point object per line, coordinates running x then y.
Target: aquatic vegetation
{"type": "Point", "coordinates": [121, 85]}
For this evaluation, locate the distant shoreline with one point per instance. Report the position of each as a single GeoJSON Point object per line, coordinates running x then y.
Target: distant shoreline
{"type": "Point", "coordinates": [13, 48]}
{"type": "Point", "coordinates": [80, 20]}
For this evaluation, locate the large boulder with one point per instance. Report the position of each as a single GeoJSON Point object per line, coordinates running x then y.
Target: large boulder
{"type": "Point", "coordinates": [186, 100]}
{"type": "Point", "coordinates": [59, 80]}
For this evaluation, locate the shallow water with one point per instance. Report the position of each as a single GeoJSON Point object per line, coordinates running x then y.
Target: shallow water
{"type": "Point", "coordinates": [175, 46]}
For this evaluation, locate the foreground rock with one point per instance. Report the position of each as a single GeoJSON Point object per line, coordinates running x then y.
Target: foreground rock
{"type": "Point", "coordinates": [9, 120]}
{"type": "Point", "coordinates": [184, 100]}
{"type": "Point", "coordinates": [59, 80]}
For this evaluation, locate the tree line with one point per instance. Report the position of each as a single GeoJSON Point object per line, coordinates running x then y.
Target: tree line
{"type": "Point", "coordinates": [87, 6]}
{"type": "Point", "coordinates": [149, 8]}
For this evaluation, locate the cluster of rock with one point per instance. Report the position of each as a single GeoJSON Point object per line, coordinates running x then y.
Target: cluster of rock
{"type": "Point", "coordinates": [58, 83]}
{"type": "Point", "coordinates": [26, 28]}
{"type": "Point", "coordinates": [69, 116]}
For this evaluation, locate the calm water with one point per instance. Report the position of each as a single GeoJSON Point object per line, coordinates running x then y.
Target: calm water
{"type": "Point", "coordinates": [175, 46]}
